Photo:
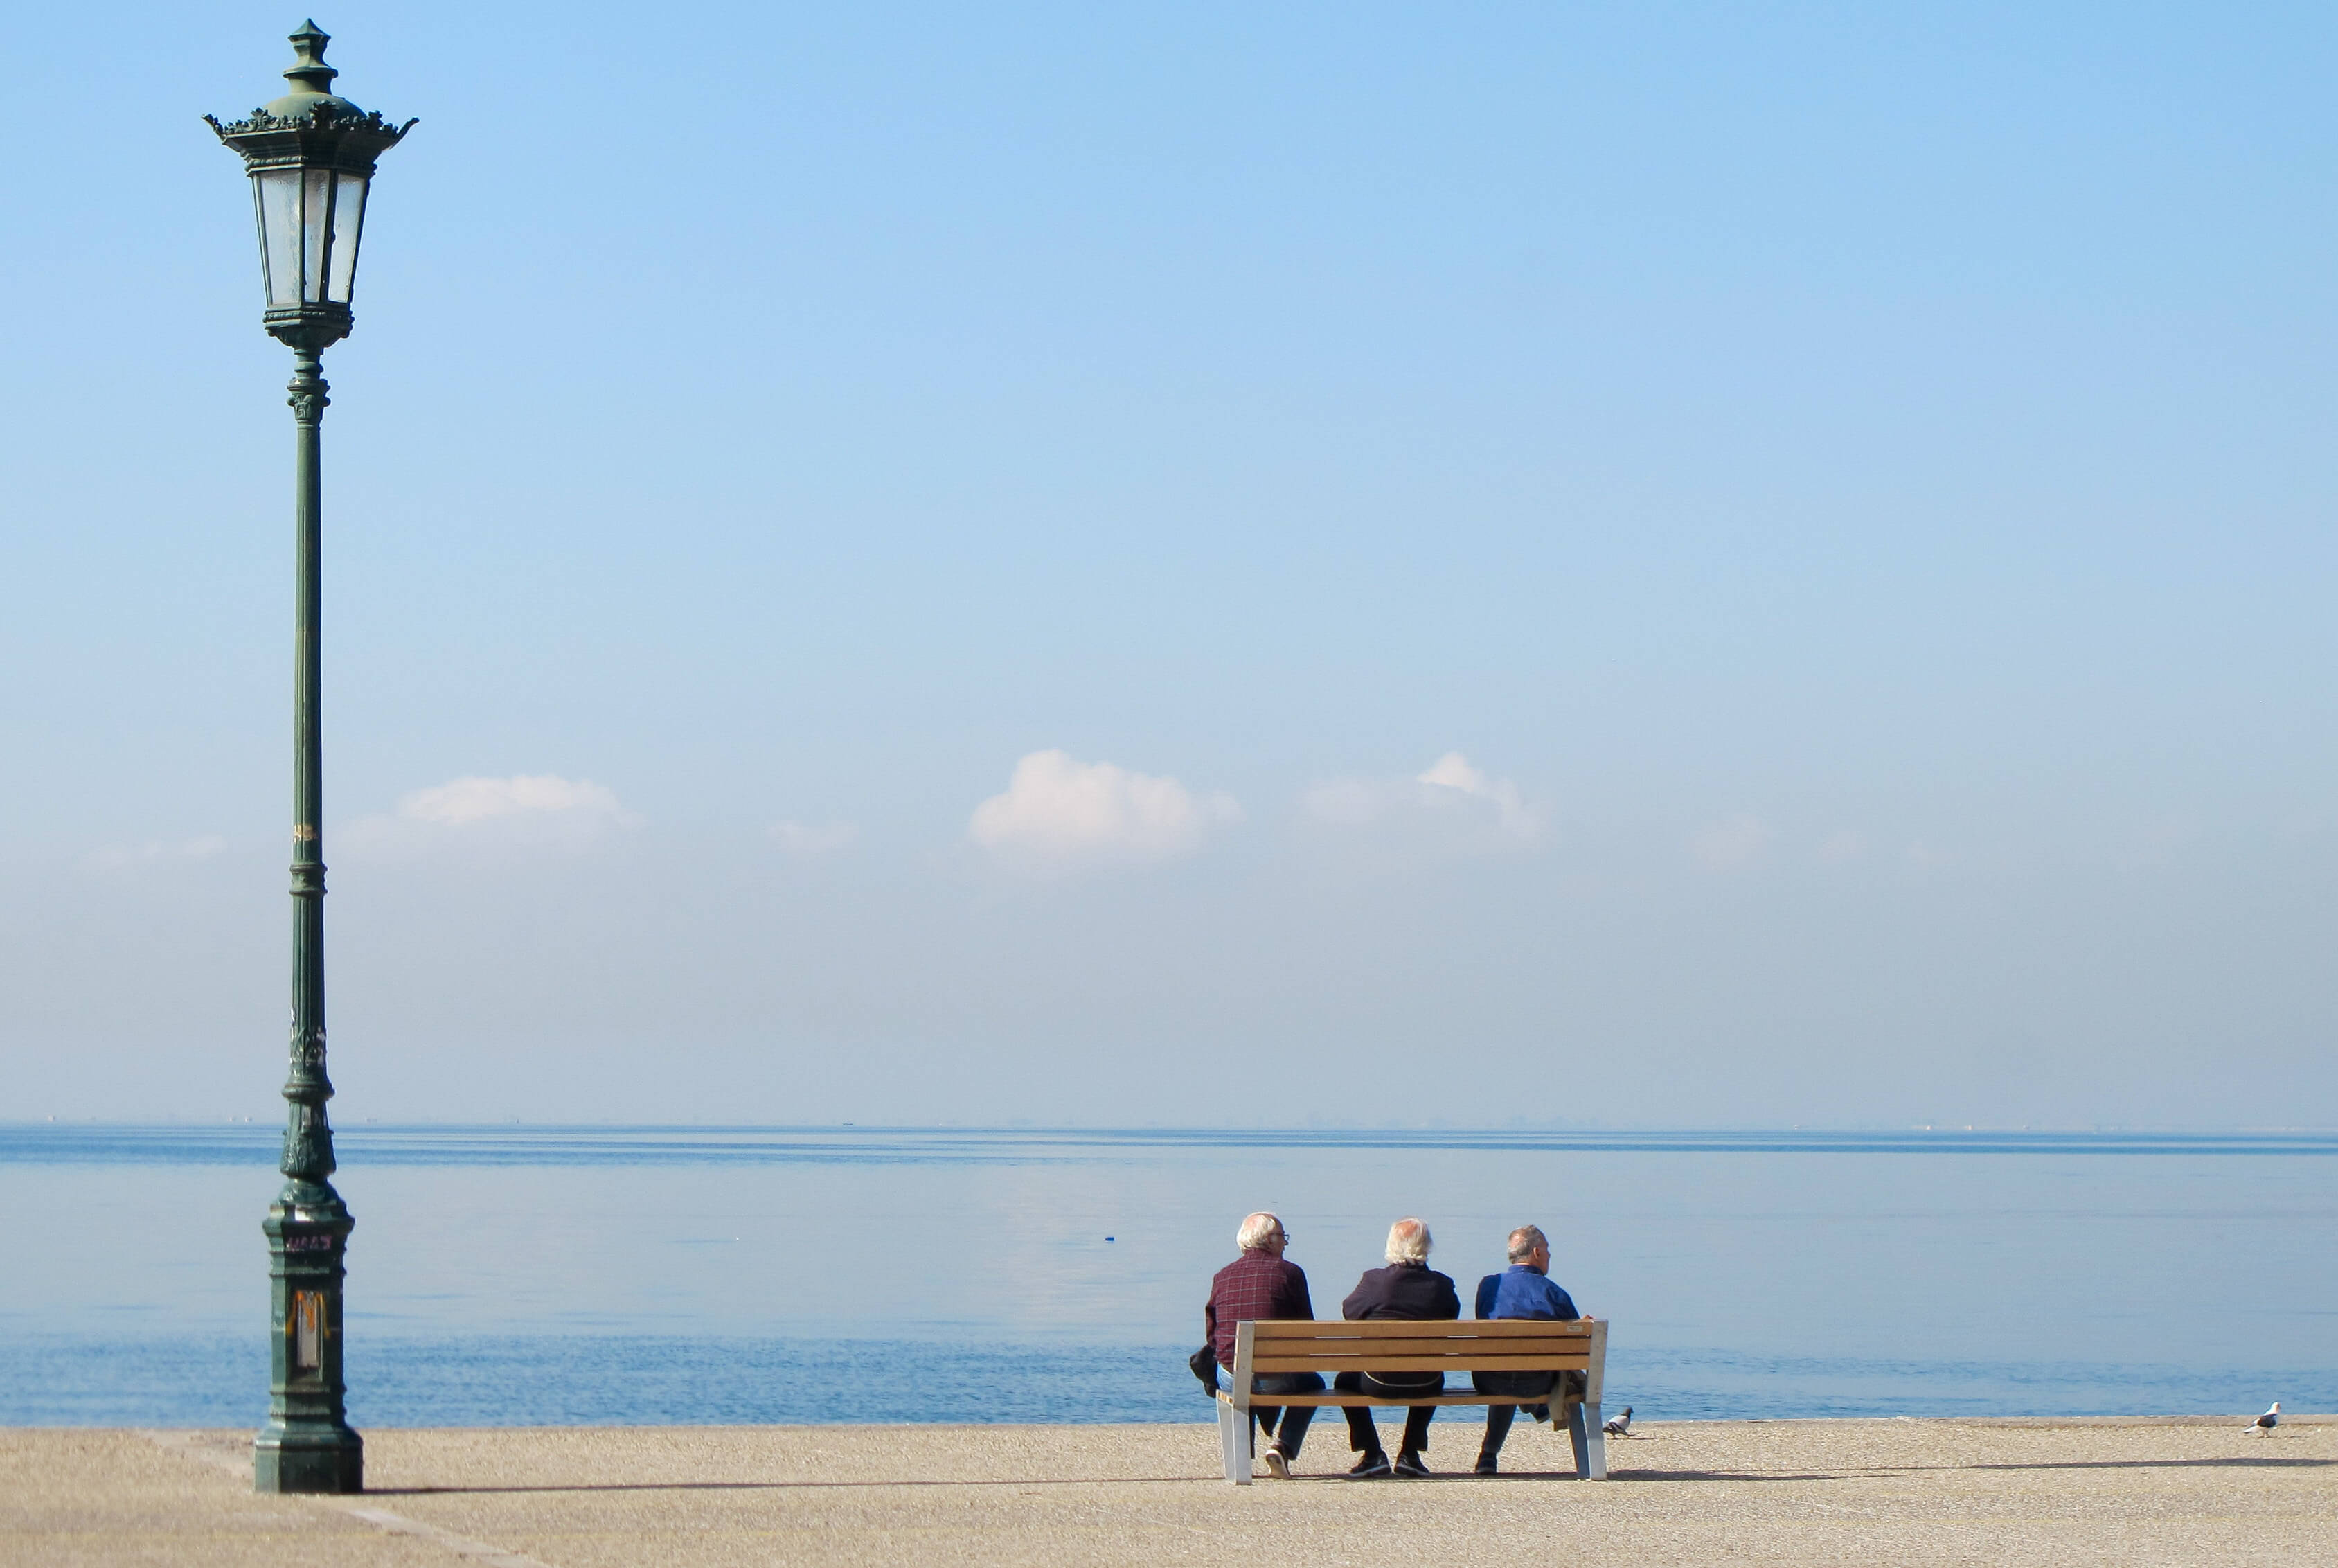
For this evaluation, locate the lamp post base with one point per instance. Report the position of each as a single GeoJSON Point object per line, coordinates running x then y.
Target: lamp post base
{"type": "Point", "coordinates": [299, 1461]}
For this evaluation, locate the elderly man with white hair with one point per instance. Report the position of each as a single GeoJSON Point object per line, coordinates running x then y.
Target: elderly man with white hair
{"type": "Point", "coordinates": [1407, 1288]}
{"type": "Point", "coordinates": [1260, 1286]}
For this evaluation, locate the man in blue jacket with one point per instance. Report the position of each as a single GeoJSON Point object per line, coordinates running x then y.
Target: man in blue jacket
{"type": "Point", "coordinates": [1522, 1290]}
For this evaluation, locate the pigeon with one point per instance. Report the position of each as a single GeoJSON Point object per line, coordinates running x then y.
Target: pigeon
{"type": "Point", "coordinates": [2268, 1421]}
{"type": "Point", "coordinates": [1622, 1425]}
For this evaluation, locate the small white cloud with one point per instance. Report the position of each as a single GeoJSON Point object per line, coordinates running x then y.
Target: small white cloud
{"type": "Point", "coordinates": [1453, 771]}
{"type": "Point", "coordinates": [460, 802]}
{"type": "Point", "coordinates": [1451, 789]}
{"type": "Point", "coordinates": [806, 839]}
{"type": "Point", "coordinates": [527, 809]}
{"type": "Point", "coordinates": [123, 857]}
{"type": "Point", "coordinates": [1733, 844]}
{"type": "Point", "coordinates": [1060, 813]}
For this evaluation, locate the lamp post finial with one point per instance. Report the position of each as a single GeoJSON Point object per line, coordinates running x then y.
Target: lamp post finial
{"type": "Point", "coordinates": [309, 72]}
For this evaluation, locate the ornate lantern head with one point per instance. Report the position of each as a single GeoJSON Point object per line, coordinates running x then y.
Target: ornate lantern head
{"type": "Point", "coordinates": [311, 154]}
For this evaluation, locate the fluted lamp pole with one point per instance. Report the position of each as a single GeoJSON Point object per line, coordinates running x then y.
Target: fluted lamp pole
{"type": "Point", "coordinates": [310, 155]}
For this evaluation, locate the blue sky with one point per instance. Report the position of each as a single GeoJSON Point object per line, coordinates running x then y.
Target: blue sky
{"type": "Point", "coordinates": [1673, 565]}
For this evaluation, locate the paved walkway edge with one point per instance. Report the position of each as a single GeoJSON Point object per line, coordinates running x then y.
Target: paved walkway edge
{"type": "Point", "coordinates": [2287, 1419]}
{"type": "Point", "coordinates": [184, 1444]}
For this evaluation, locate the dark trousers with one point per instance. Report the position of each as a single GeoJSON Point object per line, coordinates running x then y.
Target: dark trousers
{"type": "Point", "coordinates": [1286, 1424]}
{"type": "Point", "coordinates": [1362, 1436]}
{"type": "Point", "coordinates": [1526, 1385]}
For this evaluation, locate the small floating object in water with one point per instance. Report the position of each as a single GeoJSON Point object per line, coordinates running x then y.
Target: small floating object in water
{"type": "Point", "coordinates": [1112, 1238]}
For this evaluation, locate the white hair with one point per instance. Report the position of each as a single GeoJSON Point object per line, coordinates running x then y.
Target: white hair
{"type": "Point", "coordinates": [1408, 1242]}
{"type": "Point", "coordinates": [1523, 1241]}
{"type": "Point", "coordinates": [1256, 1230]}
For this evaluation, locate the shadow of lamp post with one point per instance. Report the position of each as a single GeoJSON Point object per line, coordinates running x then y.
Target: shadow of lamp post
{"type": "Point", "coordinates": [310, 155]}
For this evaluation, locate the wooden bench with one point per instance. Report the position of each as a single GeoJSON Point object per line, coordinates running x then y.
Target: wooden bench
{"type": "Point", "coordinates": [1503, 1345]}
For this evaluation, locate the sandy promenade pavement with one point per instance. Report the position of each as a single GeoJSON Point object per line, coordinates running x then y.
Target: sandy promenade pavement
{"type": "Point", "coordinates": [1800, 1492]}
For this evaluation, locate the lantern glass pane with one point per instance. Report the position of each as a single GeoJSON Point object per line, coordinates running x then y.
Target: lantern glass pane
{"type": "Point", "coordinates": [316, 220]}
{"type": "Point", "coordinates": [279, 233]}
{"type": "Point", "coordinates": [348, 215]}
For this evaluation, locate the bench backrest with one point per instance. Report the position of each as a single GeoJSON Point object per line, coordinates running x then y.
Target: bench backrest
{"type": "Point", "coordinates": [1383, 1345]}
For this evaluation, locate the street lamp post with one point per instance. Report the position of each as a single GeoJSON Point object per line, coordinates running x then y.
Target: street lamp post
{"type": "Point", "coordinates": [310, 155]}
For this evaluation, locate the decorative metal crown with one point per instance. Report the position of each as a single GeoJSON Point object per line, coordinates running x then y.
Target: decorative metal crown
{"type": "Point", "coordinates": [311, 125]}
{"type": "Point", "coordinates": [323, 117]}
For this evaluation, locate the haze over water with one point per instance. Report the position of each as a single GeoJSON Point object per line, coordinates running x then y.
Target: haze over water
{"type": "Point", "coordinates": [525, 1274]}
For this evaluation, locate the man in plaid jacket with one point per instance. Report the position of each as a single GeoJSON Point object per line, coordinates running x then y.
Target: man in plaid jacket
{"type": "Point", "coordinates": [1256, 1285]}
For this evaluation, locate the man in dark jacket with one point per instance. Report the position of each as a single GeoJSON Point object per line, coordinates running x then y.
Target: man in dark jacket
{"type": "Point", "coordinates": [1407, 1288]}
{"type": "Point", "coordinates": [1522, 1290]}
{"type": "Point", "coordinates": [1258, 1285]}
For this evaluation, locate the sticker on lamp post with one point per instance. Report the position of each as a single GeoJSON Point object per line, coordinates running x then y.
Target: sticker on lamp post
{"type": "Point", "coordinates": [308, 1331]}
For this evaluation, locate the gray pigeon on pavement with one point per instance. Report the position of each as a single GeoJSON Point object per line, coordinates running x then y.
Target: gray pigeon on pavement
{"type": "Point", "coordinates": [1622, 1425]}
{"type": "Point", "coordinates": [2268, 1421]}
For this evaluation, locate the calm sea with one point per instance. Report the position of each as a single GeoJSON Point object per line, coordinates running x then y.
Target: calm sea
{"type": "Point", "coordinates": [513, 1275]}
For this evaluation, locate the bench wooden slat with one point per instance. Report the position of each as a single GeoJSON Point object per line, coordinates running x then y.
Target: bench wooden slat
{"type": "Point", "coordinates": [1272, 1365]}
{"type": "Point", "coordinates": [1332, 1396]}
{"type": "Point", "coordinates": [1455, 1351]}
{"type": "Point", "coordinates": [1415, 1344]}
{"type": "Point", "coordinates": [1266, 1364]}
{"type": "Point", "coordinates": [1407, 1327]}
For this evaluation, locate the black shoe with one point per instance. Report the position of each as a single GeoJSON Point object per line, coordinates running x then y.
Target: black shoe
{"type": "Point", "coordinates": [1370, 1467]}
{"type": "Point", "coordinates": [1541, 1413]}
{"type": "Point", "coordinates": [1485, 1466]}
{"type": "Point", "coordinates": [1410, 1463]}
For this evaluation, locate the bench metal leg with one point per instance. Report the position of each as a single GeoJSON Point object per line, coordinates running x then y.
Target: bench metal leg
{"type": "Point", "coordinates": [1576, 1437]}
{"type": "Point", "coordinates": [1591, 1448]}
{"type": "Point", "coordinates": [1239, 1426]}
{"type": "Point", "coordinates": [1233, 1441]}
